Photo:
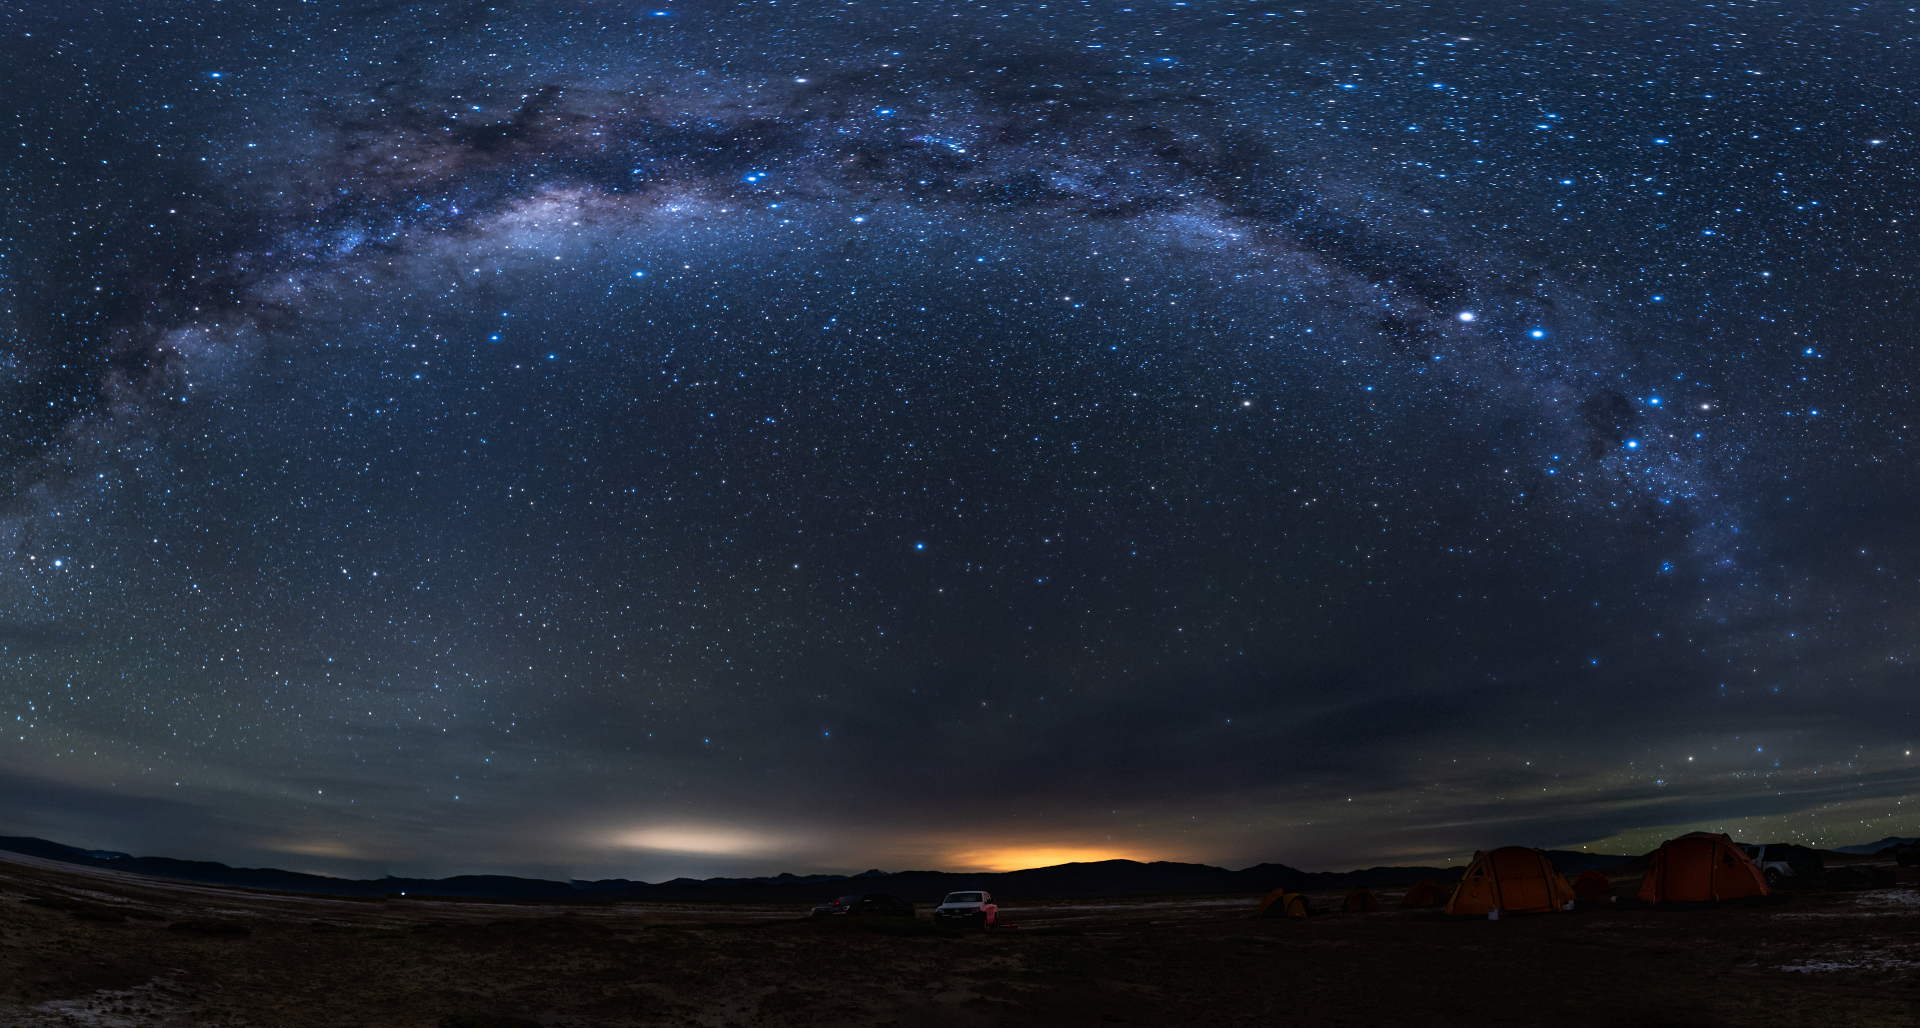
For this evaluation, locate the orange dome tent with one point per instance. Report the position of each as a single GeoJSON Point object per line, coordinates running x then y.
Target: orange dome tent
{"type": "Point", "coordinates": [1591, 884]}
{"type": "Point", "coordinates": [1281, 903]}
{"type": "Point", "coordinates": [1425, 893]}
{"type": "Point", "coordinates": [1360, 901]}
{"type": "Point", "coordinates": [1701, 867]}
{"type": "Point", "coordinates": [1513, 880]}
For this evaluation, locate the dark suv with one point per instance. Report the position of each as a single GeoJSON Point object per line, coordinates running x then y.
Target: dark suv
{"type": "Point", "coordinates": [1785, 864]}
{"type": "Point", "coordinates": [865, 904]}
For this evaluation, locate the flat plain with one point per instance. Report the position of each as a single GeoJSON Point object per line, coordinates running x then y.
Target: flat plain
{"type": "Point", "coordinates": [94, 948]}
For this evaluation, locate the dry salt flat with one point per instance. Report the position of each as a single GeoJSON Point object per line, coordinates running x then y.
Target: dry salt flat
{"type": "Point", "coordinates": [1819, 959]}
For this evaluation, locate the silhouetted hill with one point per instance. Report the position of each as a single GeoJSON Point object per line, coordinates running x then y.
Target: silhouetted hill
{"type": "Point", "coordinates": [1872, 848]}
{"type": "Point", "coordinates": [165, 867]}
{"type": "Point", "coordinates": [1096, 879]}
{"type": "Point", "coordinates": [1572, 862]}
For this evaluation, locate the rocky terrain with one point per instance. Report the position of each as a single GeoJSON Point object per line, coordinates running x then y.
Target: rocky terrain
{"type": "Point", "coordinates": [90, 947]}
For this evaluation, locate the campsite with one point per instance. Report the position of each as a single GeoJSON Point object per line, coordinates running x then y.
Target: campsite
{"type": "Point", "coordinates": [85, 946]}
{"type": "Point", "coordinates": [740, 513]}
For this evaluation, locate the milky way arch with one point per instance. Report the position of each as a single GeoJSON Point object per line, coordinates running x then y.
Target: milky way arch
{"type": "Point", "coordinates": [531, 427]}
{"type": "Point", "coordinates": [388, 173]}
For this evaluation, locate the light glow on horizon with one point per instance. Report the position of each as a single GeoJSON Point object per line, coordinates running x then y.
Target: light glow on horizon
{"type": "Point", "coordinates": [705, 840]}
{"type": "Point", "coordinates": [1020, 858]}
{"type": "Point", "coordinates": [318, 848]}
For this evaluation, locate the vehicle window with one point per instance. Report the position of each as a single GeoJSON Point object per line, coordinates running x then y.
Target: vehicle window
{"type": "Point", "coordinates": [1776, 852]}
{"type": "Point", "coordinates": [847, 900]}
{"type": "Point", "coordinates": [963, 897]}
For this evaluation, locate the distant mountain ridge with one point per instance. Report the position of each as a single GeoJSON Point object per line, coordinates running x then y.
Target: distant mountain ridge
{"type": "Point", "coordinates": [1871, 848]}
{"type": "Point", "coordinates": [1095, 879]}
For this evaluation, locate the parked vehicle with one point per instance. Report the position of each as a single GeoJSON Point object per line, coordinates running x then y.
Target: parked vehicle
{"type": "Point", "coordinates": [865, 904]}
{"type": "Point", "coordinates": [1908, 855]}
{"type": "Point", "coordinates": [1786, 865]}
{"type": "Point", "coordinates": [967, 909]}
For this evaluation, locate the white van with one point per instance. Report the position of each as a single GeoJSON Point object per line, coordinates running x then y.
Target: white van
{"type": "Point", "coordinates": [972, 908]}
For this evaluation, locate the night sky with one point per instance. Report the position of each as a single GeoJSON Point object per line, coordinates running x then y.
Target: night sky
{"type": "Point", "coordinates": [602, 439]}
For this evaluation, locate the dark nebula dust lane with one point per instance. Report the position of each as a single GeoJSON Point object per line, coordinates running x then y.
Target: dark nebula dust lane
{"type": "Point", "coordinates": [608, 439]}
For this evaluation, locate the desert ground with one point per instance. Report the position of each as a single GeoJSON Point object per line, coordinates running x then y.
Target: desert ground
{"type": "Point", "coordinates": [85, 947]}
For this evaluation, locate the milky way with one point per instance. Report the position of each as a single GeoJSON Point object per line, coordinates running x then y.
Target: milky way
{"type": "Point", "coordinates": [602, 438]}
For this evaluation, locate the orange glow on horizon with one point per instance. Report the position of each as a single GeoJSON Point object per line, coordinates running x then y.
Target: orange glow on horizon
{"type": "Point", "coordinates": [318, 848]}
{"type": "Point", "coordinates": [1020, 858]}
